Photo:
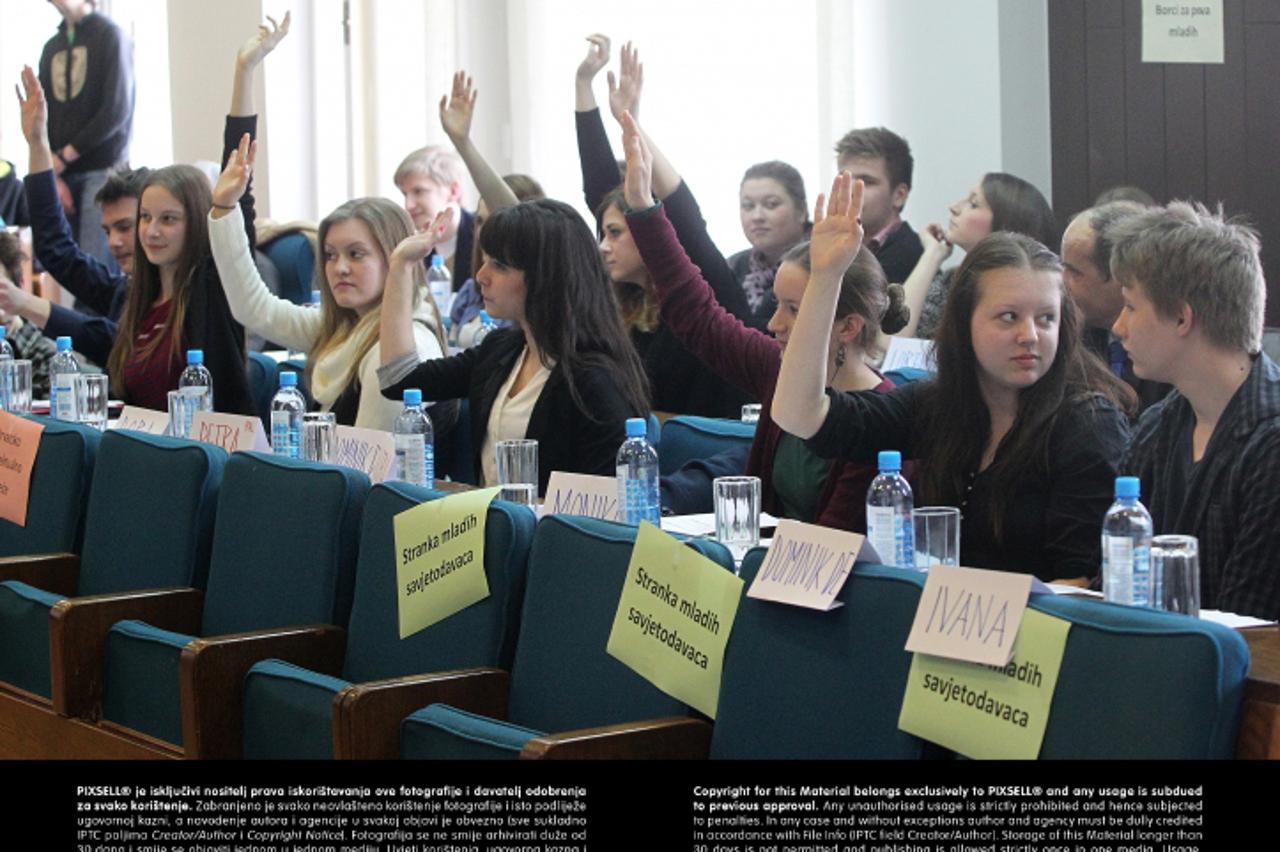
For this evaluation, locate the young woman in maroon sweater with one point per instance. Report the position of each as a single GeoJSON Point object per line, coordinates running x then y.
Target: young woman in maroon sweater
{"type": "Point", "coordinates": [794, 482]}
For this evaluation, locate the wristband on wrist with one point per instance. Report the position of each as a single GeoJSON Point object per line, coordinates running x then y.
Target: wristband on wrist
{"type": "Point", "coordinates": [218, 206]}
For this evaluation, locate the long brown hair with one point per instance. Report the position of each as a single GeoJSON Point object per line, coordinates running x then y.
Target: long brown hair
{"type": "Point", "coordinates": [638, 300]}
{"type": "Point", "coordinates": [389, 224]}
{"type": "Point", "coordinates": [957, 424]}
{"type": "Point", "coordinates": [190, 187]}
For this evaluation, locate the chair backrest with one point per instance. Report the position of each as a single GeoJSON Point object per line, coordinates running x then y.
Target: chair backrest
{"type": "Point", "coordinates": [295, 259]}
{"type": "Point", "coordinates": [483, 634]}
{"type": "Point", "coordinates": [1141, 684]}
{"type": "Point", "coordinates": [562, 678]}
{"type": "Point", "coordinates": [804, 684]}
{"type": "Point", "coordinates": [686, 437]}
{"type": "Point", "coordinates": [264, 381]}
{"type": "Point", "coordinates": [151, 513]}
{"type": "Point", "coordinates": [59, 492]}
{"type": "Point", "coordinates": [905, 375]}
{"type": "Point", "coordinates": [285, 544]}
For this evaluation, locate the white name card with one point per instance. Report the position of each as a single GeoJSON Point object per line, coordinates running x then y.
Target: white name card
{"type": "Point", "coordinates": [230, 431]}
{"type": "Point", "coordinates": [141, 420]}
{"type": "Point", "coordinates": [909, 352]}
{"type": "Point", "coordinates": [807, 565]}
{"type": "Point", "coordinates": [1186, 31]}
{"type": "Point", "coordinates": [581, 494]}
{"type": "Point", "coordinates": [370, 450]}
{"type": "Point", "coordinates": [969, 614]}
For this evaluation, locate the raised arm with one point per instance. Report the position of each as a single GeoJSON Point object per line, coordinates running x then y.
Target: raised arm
{"type": "Point", "coordinates": [456, 110]}
{"type": "Point", "coordinates": [395, 325]}
{"type": "Point", "coordinates": [600, 173]}
{"type": "Point", "coordinates": [916, 287]}
{"type": "Point", "coordinates": [800, 403]}
{"type": "Point", "coordinates": [249, 58]}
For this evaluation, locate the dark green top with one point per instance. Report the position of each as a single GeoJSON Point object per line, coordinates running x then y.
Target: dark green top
{"type": "Point", "coordinates": [798, 477]}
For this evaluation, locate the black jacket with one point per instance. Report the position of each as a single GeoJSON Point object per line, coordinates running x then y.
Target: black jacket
{"type": "Point", "coordinates": [572, 439]}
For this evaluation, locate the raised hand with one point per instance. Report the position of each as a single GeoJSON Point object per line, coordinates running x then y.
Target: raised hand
{"type": "Point", "coordinates": [415, 247]}
{"type": "Point", "coordinates": [638, 188]}
{"type": "Point", "coordinates": [263, 42]}
{"type": "Point", "coordinates": [837, 227]}
{"type": "Point", "coordinates": [624, 92]}
{"type": "Point", "coordinates": [457, 108]}
{"type": "Point", "coordinates": [234, 179]}
{"type": "Point", "coordinates": [597, 57]}
{"type": "Point", "coordinates": [934, 240]}
{"type": "Point", "coordinates": [35, 110]}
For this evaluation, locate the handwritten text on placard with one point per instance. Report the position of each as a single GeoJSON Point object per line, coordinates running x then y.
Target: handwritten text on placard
{"type": "Point", "coordinates": [969, 614]}
{"type": "Point", "coordinates": [141, 420]}
{"type": "Point", "coordinates": [19, 441]}
{"type": "Point", "coordinates": [807, 565]}
{"type": "Point", "coordinates": [230, 431]}
{"type": "Point", "coordinates": [981, 711]}
{"type": "Point", "coordinates": [440, 558]}
{"type": "Point", "coordinates": [369, 450]}
{"type": "Point", "coordinates": [581, 494]}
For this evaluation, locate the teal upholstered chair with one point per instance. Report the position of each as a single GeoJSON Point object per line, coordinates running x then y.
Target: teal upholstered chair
{"type": "Point", "coordinates": [906, 375]}
{"type": "Point", "coordinates": [149, 525]}
{"type": "Point", "coordinates": [802, 684]}
{"type": "Point", "coordinates": [284, 553]}
{"type": "Point", "coordinates": [289, 711]}
{"type": "Point", "coordinates": [1140, 684]}
{"type": "Point", "coordinates": [58, 494]}
{"type": "Point", "coordinates": [562, 679]}
{"type": "Point", "coordinates": [685, 438]}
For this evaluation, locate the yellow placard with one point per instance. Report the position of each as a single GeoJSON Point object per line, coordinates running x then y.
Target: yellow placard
{"type": "Point", "coordinates": [674, 616]}
{"type": "Point", "coordinates": [440, 558]}
{"type": "Point", "coordinates": [990, 712]}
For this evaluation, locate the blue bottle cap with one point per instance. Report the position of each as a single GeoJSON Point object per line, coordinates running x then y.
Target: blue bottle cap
{"type": "Point", "coordinates": [2, 330]}
{"type": "Point", "coordinates": [315, 297]}
{"type": "Point", "coordinates": [637, 427]}
{"type": "Point", "coordinates": [890, 461]}
{"type": "Point", "coordinates": [288, 379]}
{"type": "Point", "coordinates": [485, 319]}
{"type": "Point", "coordinates": [412, 396]}
{"type": "Point", "coordinates": [1128, 486]}
{"type": "Point", "coordinates": [437, 260]}
{"type": "Point", "coordinates": [64, 344]}
{"type": "Point", "coordinates": [195, 356]}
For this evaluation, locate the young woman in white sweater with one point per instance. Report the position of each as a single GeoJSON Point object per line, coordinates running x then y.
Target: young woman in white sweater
{"type": "Point", "coordinates": [341, 338]}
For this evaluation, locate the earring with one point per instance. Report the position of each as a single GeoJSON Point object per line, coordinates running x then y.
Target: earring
{"type": "Point", "coordinates": [840, 356]}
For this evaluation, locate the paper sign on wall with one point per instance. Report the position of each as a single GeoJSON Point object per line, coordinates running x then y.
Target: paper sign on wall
{"type": "Point", "coordinates": [991, 712]}
{"type": "Point", "coordinates": [969, 614]}
{"type": "Point", "coordinates": [369, 450]}
{"type": "Point", "coordinates": [141, 420]}
{"type": "Point", "coordinates": [674, 617]}
{"type": "Point", "coordinates": [19, 441]}
{"type": "Point", "coordinates": [230, 431]}
{"type": "Point", "coordinates": [1185, 31]}
{"type": "Point", "coordinates": [806, 565]}
{"type": "Point", "coordinates": [440, 558]}
{"type": "Point", "coordinates": [581, 494]}
{"type": "Point", "coordinates": [909, 352]}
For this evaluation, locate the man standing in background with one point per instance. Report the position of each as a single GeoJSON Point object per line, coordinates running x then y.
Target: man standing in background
{"type": "Point", "coordinates": [87, 71]}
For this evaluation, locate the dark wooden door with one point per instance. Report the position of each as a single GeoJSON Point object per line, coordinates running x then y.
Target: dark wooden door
{"type": "Point", "coordinates": [1203, 132]}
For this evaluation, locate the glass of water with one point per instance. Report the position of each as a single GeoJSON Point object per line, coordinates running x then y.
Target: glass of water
{"type": "Point", "coordinates": [319, 435]}
{"type": "Point", "coordinates": [737, 501]}
{"type": "Point", "coordinates": [92, 392]}
{"type": "Point", "coordinates": [1175, 573]}
{"type": "Point", "coordinates": [15, 386]}
{"type": "Point", "coordinates": [937, 536]}
{"type": "Point", "coordinates": [751, 412]}
{"type": "Point", "coordinates": [517, 463]}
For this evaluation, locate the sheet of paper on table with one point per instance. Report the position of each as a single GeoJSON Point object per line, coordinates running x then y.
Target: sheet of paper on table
{"type": "Point", "coordinates": [705, 523]}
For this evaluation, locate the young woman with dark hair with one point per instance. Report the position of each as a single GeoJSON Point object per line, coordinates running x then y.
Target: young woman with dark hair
{"type": "Point", "coordinates": [566, 375]}
{"type": "Point", "coordinates": [795, 483]}
{"type": "Point", "coordinates": [1018, 429]}
{"type": "Point", "coordinates": [1000, 202]}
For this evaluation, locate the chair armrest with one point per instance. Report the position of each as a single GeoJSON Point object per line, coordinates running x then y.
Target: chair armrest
{"type": "Point", "coordinates": [213, 672]}
{"type": "Point", "coordinates": [672, 738]}
{"type": "Point", "coordinates": [78, 637]}
{"type": "Point", "coordinates": [54, 572]}
{"type": "Point", "coordinates": [367, 716]}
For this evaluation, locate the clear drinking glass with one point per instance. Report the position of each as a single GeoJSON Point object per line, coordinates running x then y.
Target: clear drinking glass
{"type": "Point", "coordinates": [319, 436]}
{"type": "Point", "coordinates": [92, 392]}
{"type": "Point", "coordinates": [937, 536]}
{"type": "Point", "coordinates": [737, 501]}
{"type": "Point", "coordinates": [751, 412]}
{"type": "Point", "coordinates": [1175, 573]}
{"type": "Point", "coordinates": [15, 386]}
{"type": "Point", "coordinates": [517, 463]}
{"type": "Point", "coordinates": [182, 408]}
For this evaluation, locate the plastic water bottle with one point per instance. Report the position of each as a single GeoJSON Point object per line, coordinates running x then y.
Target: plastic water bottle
{"type": "Point", "coordinates": [63, 369]}
{"type": "Point", "coordinates": [195, 387]}
{"type": "Point", "coordinates": [486, 325]}
{"type": "Point", "coordinates": [1126, 547]}
{"type": "Point", "coordinates": [287, 407]}
{"type": "Point", "coordinates": [415, 442]}
{"type": "Point", "coordinates": [889, 504]}
{"type": "Point", "coordinates": [440, 283]}
{"type": "Point", "coordinates": [638, 496]}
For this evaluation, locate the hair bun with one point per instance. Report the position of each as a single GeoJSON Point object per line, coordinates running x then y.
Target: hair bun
{"type": "Point", "coordinates": [897, 315]}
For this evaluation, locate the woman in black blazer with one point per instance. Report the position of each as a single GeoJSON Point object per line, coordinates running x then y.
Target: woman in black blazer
{"type": "Point", "coordinates": [565, 375]}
